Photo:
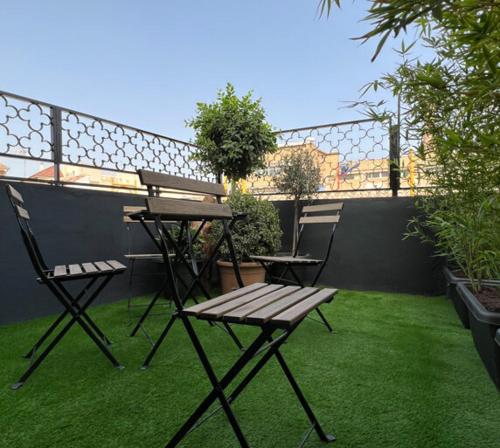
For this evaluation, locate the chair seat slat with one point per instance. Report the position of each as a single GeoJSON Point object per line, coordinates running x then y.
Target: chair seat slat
{"type": "Point", "coordinates": [60, 271]}
{"type": "Point", "coordinates": [102, 266]}
{"type": "Point", "coordinates": [218, 311]}
{"type": "Point", "coordinates": [197, 309]}
{"type": "Point", "coordinates": [266, 313]}
{"type": "Point", "coordinates": [75, 269]}
{"type": "Point", "coordinates": [301, 309]}
{"type": "Point", "coordinates": [116, 265]}
{"type": "Point", "coordinates": [241, 312]}
{"type": "Point", "coordinates": [89, 268]}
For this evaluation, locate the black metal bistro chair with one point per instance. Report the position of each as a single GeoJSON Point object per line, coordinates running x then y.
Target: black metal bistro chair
{"type": "Point", "coordinates": [295, 260]}
{"type": "Point", "coordinates": [182, 254]}
{"type": "Point", "coordinates": [157, 258]}
{"type": "Point", "coordinates": [98, 274]}
{"type": "Point", "coordinates": [271, 307]}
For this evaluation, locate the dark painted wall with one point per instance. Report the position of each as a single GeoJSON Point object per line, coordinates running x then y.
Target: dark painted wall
{"type": "Point", "coordinates": [369, 252]}
{"type": "Point", "coordinates": [74, 225]}
{"type": "Point", "coordinates": [71, 225]}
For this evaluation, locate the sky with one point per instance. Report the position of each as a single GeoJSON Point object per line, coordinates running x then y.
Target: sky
{"type": "Point", "coordinates": [147, 63]}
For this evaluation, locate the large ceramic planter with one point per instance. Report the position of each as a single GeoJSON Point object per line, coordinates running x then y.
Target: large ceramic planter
{"type": "Point", "coordinates": [484, 326]}
{"type": "Point", "coordinates": [250, 273]}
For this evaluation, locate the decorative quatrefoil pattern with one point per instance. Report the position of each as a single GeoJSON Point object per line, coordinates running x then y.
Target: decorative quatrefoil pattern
{"type": "Point", "coordinates": [351, 156]}
{"type": "Point", "coordinates": [93, 142]}
{"type": "Point", "coordinates": [25, 129]}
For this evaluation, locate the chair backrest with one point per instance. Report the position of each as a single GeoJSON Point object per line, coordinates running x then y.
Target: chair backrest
{"type": "Point", "coordinates": [154, 181]}
{"type": "Point", "coordinates": [310, 216]}
{"type": "Point", "coordinates": [187, 210]}
{"type": "Point", "coordinates": [23, 219]}
{"type": "Point", "coordinates": [184, 208]}
{"type": "Point", "coordinates": [332, 218]}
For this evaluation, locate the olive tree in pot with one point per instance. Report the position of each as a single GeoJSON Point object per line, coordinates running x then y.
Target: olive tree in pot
{"type": "Point", "coordinates": [300, 178]}
{"type": "Point", "coordinates": [258, 234]}
{"type": "Point", "coordinates": [233, 139]}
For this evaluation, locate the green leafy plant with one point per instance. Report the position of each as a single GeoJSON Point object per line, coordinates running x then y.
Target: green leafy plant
{"type": "Point", "coordinates": [198, 245]}
{"type": "Point", "coordinates": [258, 234]}
{"type": "Point", "coordinates": [299, 177]}
{"type": "Point", "coordinates": [232, 135]}
{"type": "Point", "coordinates": [450, 112]}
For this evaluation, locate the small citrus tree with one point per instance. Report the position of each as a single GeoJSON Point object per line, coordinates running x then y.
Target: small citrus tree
{"type": "Point", "coordinates": [232, 135]}
{"type": "Point", "coordinates": [300, 178]}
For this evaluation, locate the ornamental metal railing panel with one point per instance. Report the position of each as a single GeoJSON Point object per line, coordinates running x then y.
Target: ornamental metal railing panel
{"type": "Point", "coordinates": [42, 142]}
{"type": "Point", "coordinates": [47, 143]}
{"type": "Point", "coordinates": [352, 157]}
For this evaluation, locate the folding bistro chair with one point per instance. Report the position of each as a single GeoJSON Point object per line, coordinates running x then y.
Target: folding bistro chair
{"type": "Point", "coordinates": [97, 274]}
{"type": "Point", "coordinates": [295, 260]}
{"type": "Point", "coordinates": [187, 249]}
{"type": "Point", "coordinates": [271, 307]}
{"type": "Point", "coordinates": [133, 258]}
{"type": "Point", "coordinates": [185, 212]}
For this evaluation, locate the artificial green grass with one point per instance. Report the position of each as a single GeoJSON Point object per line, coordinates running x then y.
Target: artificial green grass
{"type": "Point", "coordinates": [400, 371]}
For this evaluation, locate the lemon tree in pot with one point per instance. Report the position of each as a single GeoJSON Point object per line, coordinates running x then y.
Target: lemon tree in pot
{"type": "Point", "coordinates": [233, 139]}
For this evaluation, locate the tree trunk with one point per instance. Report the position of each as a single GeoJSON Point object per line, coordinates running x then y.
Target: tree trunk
{"type": "Point", "coordinates": [295, 225]}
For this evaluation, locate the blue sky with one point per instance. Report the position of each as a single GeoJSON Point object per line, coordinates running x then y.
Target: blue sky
{"type": "Point", "coordinates": [147, 63]}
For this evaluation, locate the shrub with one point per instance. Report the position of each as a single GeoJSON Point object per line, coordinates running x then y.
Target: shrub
{"type": "Point", "coordinates": [259, 234]}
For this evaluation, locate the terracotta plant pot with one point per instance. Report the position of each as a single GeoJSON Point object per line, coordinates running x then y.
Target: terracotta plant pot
{"type": "Point", "coordinates": [251, 272]}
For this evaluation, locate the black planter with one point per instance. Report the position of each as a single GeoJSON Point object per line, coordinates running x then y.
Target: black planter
{"type": "Point", "coordinates": [451, 292]}
{"type": "Point", "coordinates": [484, 326]}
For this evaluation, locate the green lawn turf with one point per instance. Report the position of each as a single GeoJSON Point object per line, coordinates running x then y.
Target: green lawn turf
{"type": "Point", "coordinates": [399, 372]}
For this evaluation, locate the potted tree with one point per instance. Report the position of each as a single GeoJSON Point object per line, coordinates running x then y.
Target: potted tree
{"type": "Point", "coordinates": [258, 234]}
{"type": "Point", "coordinates": [233, 139]}
{"type": "Point", "coordinates": [232, 135]}
{"type": "Point", "coordinates": [300, 178]}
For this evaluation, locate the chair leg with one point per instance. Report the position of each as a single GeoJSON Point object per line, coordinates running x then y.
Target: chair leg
{"type": "Point", "coordinates": [76, 318]}
{"type": "Point", "coordinates": [158, 342]}
{"type": "Point", "coordinates": [302, 399]}
{"type": "Point", "coordinates": [148, 309]}
{"type": "Point", "coordinates": [325, 322]}
{"type": "Point", "coordinates": [222, 384]}
{"type": "Point", "coordinates": [55, 324]}
{"type": "Point", "coordinates": [74, 302]}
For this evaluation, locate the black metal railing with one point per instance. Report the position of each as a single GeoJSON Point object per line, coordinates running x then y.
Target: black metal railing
{"type": "Point", "coordinates": [42, 142]}
{"type": "Point", "coordinates": [352, 156]}
{"type": "Point", "coordinates": [71, 145]}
